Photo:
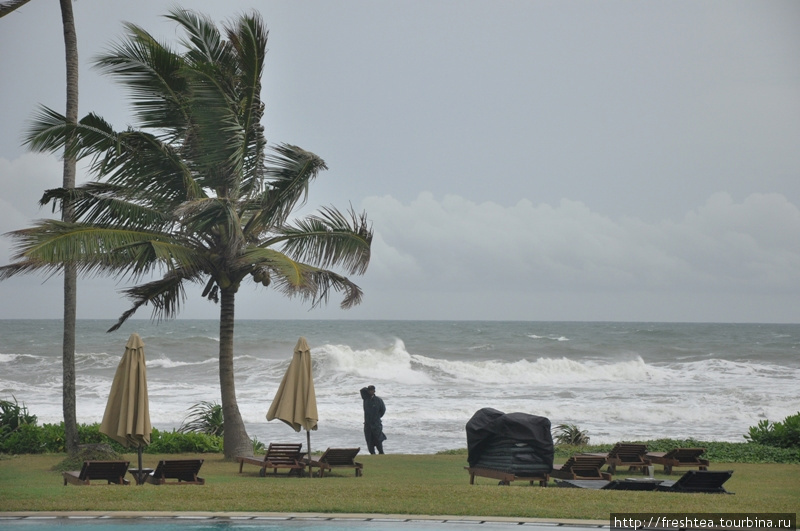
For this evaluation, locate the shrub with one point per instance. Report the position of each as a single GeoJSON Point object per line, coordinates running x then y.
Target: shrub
{"type": "Point", "coordinates": [12, 415]}
{"type": "Point", "coordinates": [570, 434]}
{"type": "Point", "coordinates": [204, 417]}
{"type": "Point", "coordinates": [784, 434]}
{"type": "Point", "coordinates": [26, 439]}
{"type": "Point", "coordinates": [174, 442]}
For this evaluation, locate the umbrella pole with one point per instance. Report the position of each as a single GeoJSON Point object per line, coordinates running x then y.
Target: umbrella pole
{"type": "Point", "coordinates": [140, 479]}
{"type": "Point", "coordinates": [308, 444]}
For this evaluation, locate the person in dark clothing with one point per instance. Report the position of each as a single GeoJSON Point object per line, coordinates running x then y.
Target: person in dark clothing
{"type": "Point", "coordinates": [374, 409]}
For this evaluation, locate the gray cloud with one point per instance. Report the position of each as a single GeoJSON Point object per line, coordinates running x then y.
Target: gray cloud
{"type": "Point", "coordinates": [524, 160]}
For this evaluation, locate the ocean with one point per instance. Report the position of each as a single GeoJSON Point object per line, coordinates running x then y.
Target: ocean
{"type": "Point", "coordinates": [617, 381]}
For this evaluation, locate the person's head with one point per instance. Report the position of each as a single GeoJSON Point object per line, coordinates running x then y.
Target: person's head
{"type": "Point", "coordinates": [371, 390]}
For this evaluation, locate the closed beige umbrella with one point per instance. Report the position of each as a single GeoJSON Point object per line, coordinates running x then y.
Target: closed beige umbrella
{"type": "Point", "coordinates": [295, 403]}
{"type": "Point", "coordinates": [127, 416]}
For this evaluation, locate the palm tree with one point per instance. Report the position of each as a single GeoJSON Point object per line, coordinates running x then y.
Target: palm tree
{"type": "Point", "coordinates": [193, 193]}
{"type": "Point", "coordinates": [68, 181]}
{"type": "Point", "coordinates": [68, 402]}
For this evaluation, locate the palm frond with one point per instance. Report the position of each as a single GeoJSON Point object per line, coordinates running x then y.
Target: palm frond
{"type": "Point", "coordinates": [105, 205]}
{"type": "Point", "coordinates": [248, 38]}
{"type": "Point", "coordinates": [215, 216]}
{"type": "Point", "coordinates": [293, 278]}
{"type": "Point", "coordinates": [325, 281]}
{"type": "Point", "coordinates": [151, 73]}
{"type": "Point", "coordinates": [291, 274]}
{"type": "Point", "coordinates": [291, 170]}
{"type": "Point", "coordinates": [49, 129]}
{"type": "Point", "coordinates": [51, 244]}
{"type": "Point", "coordinates": [330, 239]}
{"type": "Point", "coordinates": [166, 295]}
{"type": "Point", "coordinates": [204, 42]}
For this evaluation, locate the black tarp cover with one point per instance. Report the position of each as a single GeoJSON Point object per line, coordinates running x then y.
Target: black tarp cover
{"type": "Point", "coordinates": [488, 425]}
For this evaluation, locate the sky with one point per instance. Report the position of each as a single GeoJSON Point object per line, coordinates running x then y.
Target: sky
{"type": "Point", "coordinates": [519, 160]}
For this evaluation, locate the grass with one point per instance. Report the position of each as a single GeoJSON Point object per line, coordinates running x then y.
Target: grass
{"type": "Point", "coordinates": [392, 484]}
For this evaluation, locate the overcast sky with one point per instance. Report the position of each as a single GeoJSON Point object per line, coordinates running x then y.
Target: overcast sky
{"type": "Point", "coordinates": [525, 160]}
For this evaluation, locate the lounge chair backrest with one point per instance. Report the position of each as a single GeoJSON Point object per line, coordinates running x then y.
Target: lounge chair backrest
{"type": "Point", "coordinates": [284, 453]}
{"type": "Point", "coordinates": [588, 466]}
{"type": "Point", "coordinates": [339, 456]}
{"type": "Point", "coordinates": [628, 451]}
{"type": "Point", "coordinates": [180, 469]}
{"type": "Point", "coordinates": [113, 471]}
{"type": "Point", "coordinates": [702, 481]}
{"type": "Point", "coordinates": [584, 462]}
{"type": "Point", "coordinates": [685, 455]}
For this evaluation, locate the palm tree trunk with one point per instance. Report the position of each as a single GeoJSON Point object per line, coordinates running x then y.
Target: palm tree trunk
{"type": "Point", "coordinates": [235, 438]}
{"type": "Point", "coordinates": [68, 214]}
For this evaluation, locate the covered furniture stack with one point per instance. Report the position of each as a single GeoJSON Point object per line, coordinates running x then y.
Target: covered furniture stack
{"type": "Point", "coordinates": [509, 446]}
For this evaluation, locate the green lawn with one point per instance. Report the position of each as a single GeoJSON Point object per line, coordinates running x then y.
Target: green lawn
{"type": "Point", "coordinates": [392, 484]}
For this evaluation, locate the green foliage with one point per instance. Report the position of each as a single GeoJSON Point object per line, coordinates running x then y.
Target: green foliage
{"type": "Point", "coordinates": [784, 434]}
{"type": "Point", "coordinates": [26, 439]}
{"type": "Point", "coordinates": [14, 418]}
{"type": "Point", "coordinates": [570, 434]}
{"type": "Point", "coordinates": [174, 442]}
{"type": "Point", "coordinates": [54, 438]}
{"type": "Point", "coordinates": [258, 446]}
{"type": "Point", "coordinates": [204, 417]}
{"type": "Point", "coordinates": [12, 415]}
{"type": "Point", "coordinates": [49, 438]}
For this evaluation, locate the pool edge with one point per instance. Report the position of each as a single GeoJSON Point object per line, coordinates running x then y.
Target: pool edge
{"type": "Point", "coordinates": [239, 516]}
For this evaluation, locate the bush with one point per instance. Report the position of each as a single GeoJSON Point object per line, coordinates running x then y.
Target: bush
{"type": "Point", "coordinates": [174, 442]}
{"type": "Point", "coordinates": [204, 417]}
{"type": "Point", "coordinates": [13, 419]}
{"type": "Point", "coordinates": [784, 434]}
{"type": "Point", "coordinates": [570, 434]}
{"type": "Point", "coordinates": [26, 439]}
{"type": "Point", "coordinates": [12, 415]}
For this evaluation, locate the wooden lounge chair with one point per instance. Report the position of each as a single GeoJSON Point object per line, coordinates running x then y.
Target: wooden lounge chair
{"type": "Point", "coordinates": [182, 471]}
{"type": "Point", "coordinates": [709, 481]}
{"type": "Point", "coordinates": [679, 457]}
{"type": "Point", "coordinates": [99, 471]}
{"type": "Point", "coordinates": [279, 455]}
{"type": "Point", "coordinates": [337, 458]}
{"type": "Point", "coordinates": [582, 466]}
{"type": "Point", "coordinates": [631, 455]}
{"type": "Point", "coordinates": [505, 477]}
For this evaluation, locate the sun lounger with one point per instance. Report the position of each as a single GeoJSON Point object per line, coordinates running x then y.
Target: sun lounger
{"type": "Point", "coordinates": [287, 456]}
{"type": "Point", "coordinates": [505, 477]}
{"type": "Point", "coordinates": [98, 472]}
{"type": "Point", "coordinates": [709, 481]}
{"type": "Point", "coordinates": [582, 466]}
{"type": "Point", "coordinates": [336, 458]}
{"type": "Point", "coordinates": [631, 455]}
{"type": "Point", "coordinates": [181, 471]}
{"type": "Point", "coordinates": [679, 457]}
